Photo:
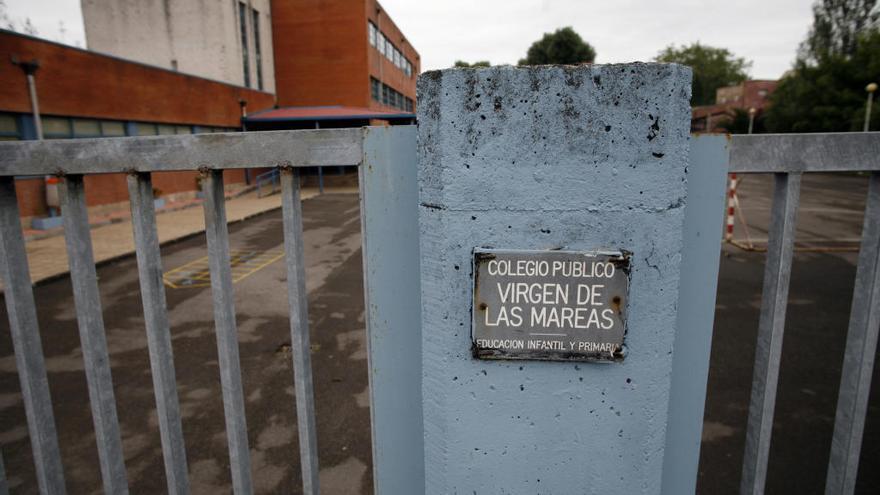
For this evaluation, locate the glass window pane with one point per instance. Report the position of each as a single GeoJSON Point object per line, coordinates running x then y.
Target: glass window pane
{"type": "Point", "coordinates": [83, 128]}
{"type": "Point", "coordinates": [56, 127]}
{"type": "Point", "coordinates": [8, 124]}
{"type": "Point", "coordinates": [381, 43]}
{"type": "Point", "coordinates": [183, 129]}
{"type": "Point", "coordinates": [144, 129]}
{"type": "Point", "coordinates": [166, 129]}
{"type": "Point", "coordinates": [372, 35]}
{"type": "Point", "coordinates": [112, 128]}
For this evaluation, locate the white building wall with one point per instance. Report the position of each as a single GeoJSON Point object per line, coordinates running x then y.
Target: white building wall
{"type": "Point", "coordinates": [199, 37]}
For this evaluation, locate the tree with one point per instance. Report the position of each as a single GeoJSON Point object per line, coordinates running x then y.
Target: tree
{"type": "Point", "coordinates": [828, 96]}
{"type": "Point", "coordinates": [478, 63]}
{"type": "Point", "coordinates": [837, 25]}
{"type": "Point", "coordinates": [713, 68]}
{"type": "Point", "coordinates": [564, 46]}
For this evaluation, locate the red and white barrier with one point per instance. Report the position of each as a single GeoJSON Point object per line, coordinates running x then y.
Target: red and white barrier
{"type": "Point", "coordinates": [731, 208]}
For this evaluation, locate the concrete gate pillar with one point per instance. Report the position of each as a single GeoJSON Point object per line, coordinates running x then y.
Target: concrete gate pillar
{"type": "Point", "coordinates": [573, 158]}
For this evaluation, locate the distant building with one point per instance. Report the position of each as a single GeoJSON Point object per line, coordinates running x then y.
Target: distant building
{"type": "Point", "coordinates": [229, 41]}
{"type": "Point", "coordinates": [181, 66]}
{"type": "Point", "coordinates": [749, 94]}
{"type": "Point", "coordinates": [83, 94]}
{"type": "Point", "coordinates": [335, 61]}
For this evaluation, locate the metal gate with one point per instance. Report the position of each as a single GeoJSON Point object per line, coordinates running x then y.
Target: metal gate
{"type": "Point", "coordinates": [389, 195]}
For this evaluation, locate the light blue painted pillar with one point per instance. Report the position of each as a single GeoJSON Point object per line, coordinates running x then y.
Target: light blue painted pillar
{"type": "Point", "coordinates": [574, 158]}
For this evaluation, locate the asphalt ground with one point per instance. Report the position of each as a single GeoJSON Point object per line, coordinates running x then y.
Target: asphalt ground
{"type": "Point", "coordinates": [821, 291]}
{"type": "Point", "coordinates": [828, 227]}
{"type": "Point", "coordinates": [334, 281]}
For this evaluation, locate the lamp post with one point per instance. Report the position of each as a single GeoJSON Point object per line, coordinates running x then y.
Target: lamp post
{"type": "Point", "coordinates": [870, 88]}
{"type": "Point", "coordinates": [752, 112]}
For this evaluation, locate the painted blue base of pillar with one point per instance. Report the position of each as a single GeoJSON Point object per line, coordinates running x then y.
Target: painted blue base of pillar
{"type": "Point", "coordinates": [46, 223]}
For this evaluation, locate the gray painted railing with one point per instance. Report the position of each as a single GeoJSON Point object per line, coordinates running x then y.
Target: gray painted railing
{"type": "Point", "coordinates": [787, 156]}
{"type": "Point", "coordinates": [139, 157]}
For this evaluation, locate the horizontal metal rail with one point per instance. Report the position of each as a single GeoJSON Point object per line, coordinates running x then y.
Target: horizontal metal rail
{"type": "Point", "coordinates": [307, 148]}
{"type": "Point", "coordinates": [820, 152]}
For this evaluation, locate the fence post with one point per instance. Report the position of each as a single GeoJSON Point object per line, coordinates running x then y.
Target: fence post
{"type": "Point", "coordinates": [568, 158]}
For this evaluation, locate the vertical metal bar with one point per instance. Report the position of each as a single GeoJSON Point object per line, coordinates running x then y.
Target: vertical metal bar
{"type": "Point", "coordinates": [146, 241]}
{"type": "Point", "coordinates": [4, 485]}
{"type": "Point", "coordinates": [858, 358]}
{"type": "Point", "coordinates": [26, 341]}
{"type": "Point", "coordinates": [777, 273]}
{"type": "Point", "coordinates": [297, 299]}
{"type": "Point", "coordinates": [709, 156]}
{"type": "Point", "coordinates": [227, 338]}
{"type": "Point", "coordinates": [320, 169]}
{"type": "Point", "coordinates": [90, 321]}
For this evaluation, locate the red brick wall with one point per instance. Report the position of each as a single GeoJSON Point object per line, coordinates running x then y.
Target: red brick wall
{"type": "Point", "coordinates": [77, 83]}
{"type": "Point", "coordinates": [105, 189]}
{"type": "Point", "coordinates": [74, 82]}
{"type": "Point", "coordinates": [323, 56]}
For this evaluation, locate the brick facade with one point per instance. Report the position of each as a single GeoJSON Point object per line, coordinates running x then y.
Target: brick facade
{"type": "Point", "coordinates": [323, 54]}
{"type": "Point", "coordinates": [81, 84]}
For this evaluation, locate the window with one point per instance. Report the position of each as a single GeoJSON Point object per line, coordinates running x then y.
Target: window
{"type": "Point", "coordinates": [145, 129]}
{"type": "Point", "coordinates": [9, 127]}
{"type": "Point", "coordinates": [183, 129]}
{"type": "Point", "coordinates": [245, 63]}
{"type": "Point", "coordinates": [409, 105]}
{"type": "Point", "coordinates": [166, 129]}
{"type": "Point", "coordinates": [375, 89]}
{"type": "Point", "coordinates": [86, 128]}
{"type": "Point", "coordinates": [56, 127]}
{"type": "Point", "coordinates": [371, 33]}
{"type": "Point", "coordinates": [258, 58]}
{"type": "Point", "coordinates": [112, 128]}
{"type": "Point", "coordinates": [408, 69]}
{"type": "Point", "coordinates": [380, 43]}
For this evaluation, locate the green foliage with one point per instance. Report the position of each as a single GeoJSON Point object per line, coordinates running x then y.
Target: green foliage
{"type": "Point", "coordinates": [837, 25]}
{"type": "Point", "coordinates": [478, 63]}
{"type": "Point", "coordinates": [564, 46]}
{"type": "Point", "coordinates": [713, 68]}
{"type": "Point", "coordinates": [828, 96]}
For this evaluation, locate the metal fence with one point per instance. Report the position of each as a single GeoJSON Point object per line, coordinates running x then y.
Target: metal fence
{"type": "Point", "coordinates": [785, 156]}
{"type": "Point", "coordinates": [788, 157]}
{"type": "Point", "coordinates": [139, 157]}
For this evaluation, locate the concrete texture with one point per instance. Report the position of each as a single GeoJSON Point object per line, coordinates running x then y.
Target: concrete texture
{"type": "Point", "coordinates": [200, 38]}
{"type": "Point", "coordinates": [577, 158]}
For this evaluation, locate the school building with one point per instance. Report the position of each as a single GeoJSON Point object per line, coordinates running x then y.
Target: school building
{"type": "Point", "coordinates": [175, 66]}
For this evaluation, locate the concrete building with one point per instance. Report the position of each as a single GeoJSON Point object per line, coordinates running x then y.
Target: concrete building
{"type": "Point", "coordinates": [229, 41]}
{"type": "Point", "coordinates": [345, 54]}
{"type": "Point", "coordinates": [181, 66]}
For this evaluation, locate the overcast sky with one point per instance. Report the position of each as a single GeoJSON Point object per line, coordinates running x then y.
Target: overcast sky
{"type": "Point", "coordinates": [767, 32]}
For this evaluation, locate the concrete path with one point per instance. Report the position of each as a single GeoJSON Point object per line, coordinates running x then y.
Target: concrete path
{"type": "Point", "coordinates": [47, 257]}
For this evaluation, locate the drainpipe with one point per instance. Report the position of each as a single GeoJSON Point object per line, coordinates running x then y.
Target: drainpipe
{"type": "Point", "coordinates": [30, 69]}
{"type": "Point", "coordinates": [51, 183]}
{"type": "Point", "coordinates": [320, 169]}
